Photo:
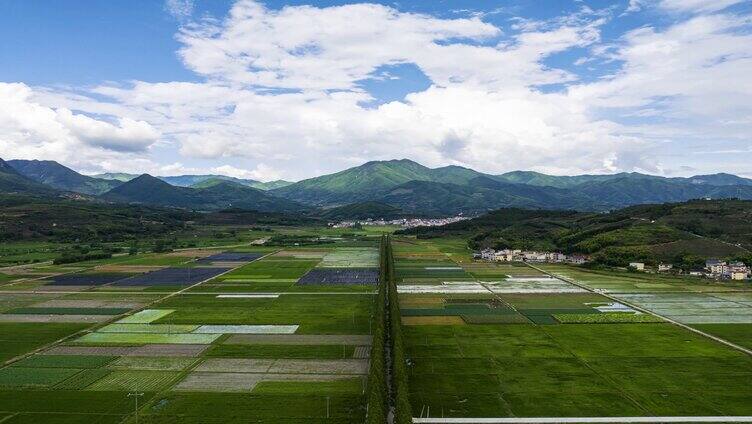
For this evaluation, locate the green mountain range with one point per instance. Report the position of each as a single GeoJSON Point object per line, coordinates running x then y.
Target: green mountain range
{"type": "Point", "coordinates": [408, 187]}
{"type": "Point", "coordinates": [198, 181]}
{"type": "Point", "coordinates": [369, 181]}
{"type": "Point", "coordinates": [415, 188]}
{"type": "Point", "coordinates": [11, 181]}
{"type": "Point", "coordinates": [149, 190]}
{"type": "Point", "coordinates": [60, 177]}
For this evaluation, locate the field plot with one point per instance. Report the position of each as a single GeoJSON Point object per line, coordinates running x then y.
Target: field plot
{"type": "Point", "coordinates": [273, 273]}
{"type": "Point", "coordinates": [315, 314]}
{"type": "Point", "coordinates": [324, 276]}
{"type": "Point", "coordinates": [688, 302]}
{"type": "Point", "coordinates": [86, 279]}
{"type": "Point", "coordinates": [511, 342]}
{"type": "Point", "coordinates": [231, 257]}
{"type": "Point", "coordinates": [19, 338]}
{"type": "Point", "coordinates": [364, 257]}
{"type": "Point", "coordinates": [132, 380]}
{"type": "Point", "coordinates": [192, 353]}
{"type": "Point", "coordinates": [171, 277]}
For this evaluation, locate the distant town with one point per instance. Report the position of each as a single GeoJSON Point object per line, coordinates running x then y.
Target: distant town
{"type": "Point", "coordinates": [714, 268]}
{"type": "Point", "coordinates": [402, 222]}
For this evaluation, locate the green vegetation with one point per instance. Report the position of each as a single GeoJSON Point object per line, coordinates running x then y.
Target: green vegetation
{"type": "Point", "coordinates": [680, 233]}
{"type": "Point", "coordinates": [19, 338]}
{"type": "Point", "coordinates": [64, 361]}
{"type": "Point", "coordinates": [400, 385]}
{"type": "Point", "coordinates": [33, 377]}
{"type": "Point", "coordinates": [378, 391]}
{"type": "Point", "coordinates": [150, 190]}
{"type": "Point", "coordinates": [60, 177]}
{"type": "Point", "coordinates": [462, 354]}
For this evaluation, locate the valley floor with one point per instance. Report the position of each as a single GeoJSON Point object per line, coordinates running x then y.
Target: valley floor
{"type": "Point", "coordinates": [284, 334]}
{"type": "Point", "coordinates": [511, 340]}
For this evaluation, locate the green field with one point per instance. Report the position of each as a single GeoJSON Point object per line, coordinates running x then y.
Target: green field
{"type": "Point", "coordinates": [157, 346]}
{"type": "Point", "coordinates": [558, 354]}
{"type": "Point", "coordinates": [504, 352]}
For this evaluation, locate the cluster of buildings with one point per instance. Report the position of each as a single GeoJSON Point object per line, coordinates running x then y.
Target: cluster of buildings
{"type": "Point", "coordinates": [402, 222]}
{"type": "Point", "coordinates": [714, 268]}
{"type": "Point", "coordinates": [516, 255]}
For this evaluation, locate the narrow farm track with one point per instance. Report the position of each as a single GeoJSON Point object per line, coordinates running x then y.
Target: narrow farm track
{"type": "Point", "coordinates": [647, 311]}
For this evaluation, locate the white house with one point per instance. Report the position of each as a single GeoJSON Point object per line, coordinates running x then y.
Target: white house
{"type": "Point", "coordinates": [716, 267]}
{"type": "Point", "coordinates": [637, 265]}
{"type": "Point", "coordinates": [664, 267]}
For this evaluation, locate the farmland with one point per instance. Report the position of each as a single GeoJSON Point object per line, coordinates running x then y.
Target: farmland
{"type": "Point", "coordinates": [510, 340]}
{"type": "Point", "coordinates": [287, 333]}
{"type": "Point", "coordinates": [202, 335]}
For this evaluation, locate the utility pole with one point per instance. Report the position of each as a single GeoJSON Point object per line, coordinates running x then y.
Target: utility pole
{"type": "Point", "coordinates": [136, 396]}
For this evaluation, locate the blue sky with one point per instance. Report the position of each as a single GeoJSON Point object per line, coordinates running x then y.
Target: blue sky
{"type": "Point", "coordinates": [293, 89]}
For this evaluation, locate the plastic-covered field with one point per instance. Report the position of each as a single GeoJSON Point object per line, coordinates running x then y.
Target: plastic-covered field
{"type": "Point", "coordinates": [246, 329]}
{"type": "Point", "coordinates": [172, 277]}
{"type": "Point", "coordinates": [693, 308]}
{"type": "Point", "coordinates": [353, 257]}
{"type": "Point", "coordinates": [146, 316]}
{"type": "Point", "coordinates": [320, 276]}
{"type": "Point", "coordinates": [540, 285]}
{"type": "Point", "coordinates": [231, 257]}
{"type": "Point", "coordinates": [85, 279]}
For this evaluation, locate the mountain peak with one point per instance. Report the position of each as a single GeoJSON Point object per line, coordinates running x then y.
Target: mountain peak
{"type": "Point", "coordinates": [61, 177]}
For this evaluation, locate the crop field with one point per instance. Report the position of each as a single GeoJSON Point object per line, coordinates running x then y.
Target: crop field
{"type": "Point", "coordinates": [143, 331]}
{"type": "Point", "coordinates": [171, 277]}
{"type": "Point", "coordinates": [509, 341]}
{"type": "Point", "coordinates": [258, 343]}
{"type": "Point", "coordinates": [684, 300]}
{"type": "Point", "coordinates": [303, 270]}
{"type": "Point", "coordinates": [323, 276]}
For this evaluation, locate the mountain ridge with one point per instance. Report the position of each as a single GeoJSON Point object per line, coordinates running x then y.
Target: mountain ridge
{"type": "Point", "coordinates": [58, 176]}
{"type": "Point", "coordinates": [150, 190]}
{"type": "Point", "coordinates": [403, 184]}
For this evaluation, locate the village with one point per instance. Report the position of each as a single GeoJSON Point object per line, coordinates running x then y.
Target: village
{"type": "Point", "coordinates": [400, 222]}
{"type": "Point", "coordinates": [714, 268]}
{"type": "Point", "coordinates": [516, 255]}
